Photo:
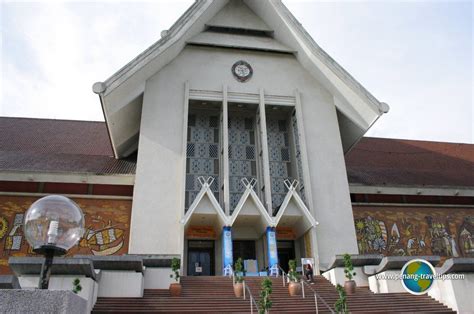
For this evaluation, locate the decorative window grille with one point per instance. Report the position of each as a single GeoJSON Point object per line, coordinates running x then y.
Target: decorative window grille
{"type": "Point", "coordinates": [202, 154]}
{"type": "Point", "coordinates": [279, 157]}
{"type": "Point", "coordinates": [242, 156]}
{"type": "Point", "coordinates": [299, 163]}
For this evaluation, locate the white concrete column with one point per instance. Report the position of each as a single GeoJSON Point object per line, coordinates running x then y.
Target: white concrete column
{"type": "Point", "coordinates": [304, 154]}
{"type": "Point", "coordinates": [265, 158]}
{"type": "Point", "coordinates": [180, 212]}
{"type": "Point", "coordinates": [225, 150]}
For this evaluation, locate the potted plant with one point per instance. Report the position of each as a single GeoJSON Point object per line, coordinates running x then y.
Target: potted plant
{"type": "Point", "coordinates": [349, 285]}
{"type": "Point", "coordinates": [238, 278]}
{"type": "Point", "coordinates": [265, 303]}
{"type": "Point", "coordinates": [294, 287]}
{"type": "Point", "coordinates": [175, 288]}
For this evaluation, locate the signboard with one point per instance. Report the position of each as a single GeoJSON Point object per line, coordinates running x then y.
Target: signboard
{"type": "Point", "coordinates": [227, 254]}
{"type": "Point", "coordinates": [272, 247]}
{"type": "Point", "coordinates": [201, 232]}
{"type": "Point", "coordinates": [285, 233]}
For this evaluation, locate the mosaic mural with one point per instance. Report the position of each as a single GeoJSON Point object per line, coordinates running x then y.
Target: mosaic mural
{"type": "Point", "coordinates": [415, 230]}
{"type": "Point", "coordinates": [107, 228]}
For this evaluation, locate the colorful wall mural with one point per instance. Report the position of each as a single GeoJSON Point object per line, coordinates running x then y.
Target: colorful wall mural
{"type": "Point", "coordinates": [107, 228]}
{"type": "Point", "coordinates": [396, 230]}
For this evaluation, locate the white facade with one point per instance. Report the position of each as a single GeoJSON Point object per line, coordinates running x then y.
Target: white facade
{"type": "Point", "coordinates": [320, 110]}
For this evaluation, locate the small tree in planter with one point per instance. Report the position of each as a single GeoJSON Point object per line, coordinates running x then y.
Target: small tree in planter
{"type": "Point", "coordinates": [265, 303]}
{"type": "Point", "coordinates": [76, 286]}
{"type": "Point", "coordinates": [294, 287]}
{"type": "Point", "coordinates": [238, 278]}
{"type": "Point", "coordinates": [341, 304]}
{"type": "Point", "coordinates": [349, 285]}
{"type": "Point", "coordinates": [175, 288]}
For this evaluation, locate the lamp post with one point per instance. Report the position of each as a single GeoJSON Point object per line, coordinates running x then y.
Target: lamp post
{"type": "Point", "coordinates": [53, 225]}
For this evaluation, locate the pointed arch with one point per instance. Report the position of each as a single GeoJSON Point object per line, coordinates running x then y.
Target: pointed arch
{"type": "Point", "coordinates": [293, 212]}
{"type": "Point", "coordinates": [250, 209]}
{"type": "Point", "coordinates": [205, 209]}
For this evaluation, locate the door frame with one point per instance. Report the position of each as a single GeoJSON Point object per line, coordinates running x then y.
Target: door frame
{"type": "Point", "coordinates": [210, 250]}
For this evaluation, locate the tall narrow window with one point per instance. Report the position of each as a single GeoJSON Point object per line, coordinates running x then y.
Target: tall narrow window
{"type": "Point", "coordinates": [202, 152]}
{"type": "Point", "coordinates": [279, 158]}
{"type": "Point", "coordinates": [299, 161]}
{"type": "Point", "coordinates": [242, 151]}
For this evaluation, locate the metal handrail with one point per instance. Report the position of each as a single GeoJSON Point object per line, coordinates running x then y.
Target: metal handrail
{"type": "Point", "coordinates": [316, 296]}
{"type": "Point", "coordinates": [252, 299]}
{"type": "Point", "coordinates": [283, 275]}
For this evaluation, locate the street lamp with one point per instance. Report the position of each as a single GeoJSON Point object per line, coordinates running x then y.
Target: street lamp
{"type": "Point", "coordinates": [53, 225]}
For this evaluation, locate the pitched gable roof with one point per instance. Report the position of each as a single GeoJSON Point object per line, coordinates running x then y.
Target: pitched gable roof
{"type": "Point", "coordinates": [124, 88]}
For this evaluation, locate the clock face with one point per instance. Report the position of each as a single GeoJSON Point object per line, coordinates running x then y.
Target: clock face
{"type": "Point", "coordinates": [242, 71]}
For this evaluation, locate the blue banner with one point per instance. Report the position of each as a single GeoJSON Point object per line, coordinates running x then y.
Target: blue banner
{"type": "Point", "coordinates": [227, 255]}
{"type": "Point", "coordinates": [272, 247]}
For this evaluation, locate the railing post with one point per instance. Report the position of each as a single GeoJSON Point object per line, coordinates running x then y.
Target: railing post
{"type": "Point", "coordinates": [251, 305]}
{"type": "Point", "coordinates": [302, 287]}
{"type": "Point", "coordinates": [244, 289]}
{"type": "Point", "coordinates": [316, 303]}
{"type": "Point", "coordinates": [283, 277]}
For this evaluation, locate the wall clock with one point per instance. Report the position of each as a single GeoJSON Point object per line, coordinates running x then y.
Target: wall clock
{"type": "Point", "coordinates": [242, 71]}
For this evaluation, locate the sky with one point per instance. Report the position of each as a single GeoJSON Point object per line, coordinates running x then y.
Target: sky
{"type": "Point", "coordinates": [417, 56]}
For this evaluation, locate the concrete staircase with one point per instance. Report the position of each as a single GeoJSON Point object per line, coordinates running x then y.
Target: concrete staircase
{"type": "Point", "coordinates": [215, 295]}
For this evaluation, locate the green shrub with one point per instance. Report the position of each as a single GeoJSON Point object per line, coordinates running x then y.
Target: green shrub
{"type": "Point", "coordinates": [348, 267]}
{"type": "Point", "coordinates": [76, 286]}
{"type": "Point", "coordinates": [292, 274]}
{"type": "Point", "coordinates": [238, 269]}
{"type": "Point", "coordinates": [265, 303]}
{"type": "Point", "coordinates": [341, 304]}
{"type": "Point", "coordinates": [175, 266]}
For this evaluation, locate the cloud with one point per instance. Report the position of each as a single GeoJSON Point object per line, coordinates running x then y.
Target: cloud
{"type": "Point", "coordinates": [416, 56]}
{"type": "Point", "coordinates": [54, 52]}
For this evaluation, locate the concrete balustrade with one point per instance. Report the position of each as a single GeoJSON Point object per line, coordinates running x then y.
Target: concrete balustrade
{"type": "Point", "coordinates": [455, 290]}
{"type": "Point", "coordinates": [334, 272]}
{"type": "Point", "coordinates": [389, 267]}
{"type": "Point", "coordinates": [157, 271]}
{"type": "Point", "coordinates": [120, 276]}
{"type": "Point", "coordinates": [63, 272]}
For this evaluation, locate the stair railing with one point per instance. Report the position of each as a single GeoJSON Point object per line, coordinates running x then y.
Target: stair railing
{"type": "Point", "coordinates": [283, 275]}
{"type": "Point", "coordinates": [252, 299]}
{"type": "Point", "coordinates": [316, 296]}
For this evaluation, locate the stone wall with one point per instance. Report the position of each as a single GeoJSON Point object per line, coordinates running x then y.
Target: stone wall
{"type": "Point", "coordinates": [107, 228]}
{"type": "Point", "coordinates": [415, 230]}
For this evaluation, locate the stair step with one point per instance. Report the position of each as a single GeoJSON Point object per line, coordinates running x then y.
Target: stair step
{"type": "Point", "coordinates": [215, 295]}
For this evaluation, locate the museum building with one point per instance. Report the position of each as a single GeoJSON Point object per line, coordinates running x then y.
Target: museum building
{"type": "Point", "coordinates": [236, 135]}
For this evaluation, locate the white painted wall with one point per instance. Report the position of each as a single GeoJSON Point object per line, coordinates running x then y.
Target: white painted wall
{"type": "Point", "coordinates": [158, 206]}
{"type": "Point", "coordinates": [157, 277]}
{"type": "Point", "coordinates": [121, 284]}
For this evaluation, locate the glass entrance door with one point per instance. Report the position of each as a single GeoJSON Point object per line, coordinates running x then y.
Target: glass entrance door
{"type": "Point", "coordinates": [200, 258]}
{"type": "Point", "coordinates": [286, 252]}
{"type": "Point", "coordinates": [244, 250]}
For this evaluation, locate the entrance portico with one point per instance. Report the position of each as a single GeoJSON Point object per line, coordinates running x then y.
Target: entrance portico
{"type": "Point", "coordinates": [249, 233]}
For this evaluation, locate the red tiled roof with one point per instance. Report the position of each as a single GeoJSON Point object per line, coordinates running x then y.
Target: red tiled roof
{"type": "Point", "coordinates": [54, 136]}
{"type": "Point", "coordinates": [392, 162]}
{"type": "Point", "coordinates": [44, 145]}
